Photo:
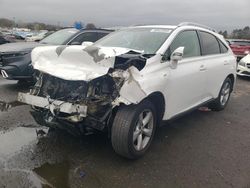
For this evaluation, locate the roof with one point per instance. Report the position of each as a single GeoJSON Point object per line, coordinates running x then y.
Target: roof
{"type": "Point", "coordinates": [97, 29]}
{"type": "Point", "coordinates": [83, 29]}
{"type": "Point", "coordinates": [183, 24]}
{"type": "Point", "coordinates": [157, 26]}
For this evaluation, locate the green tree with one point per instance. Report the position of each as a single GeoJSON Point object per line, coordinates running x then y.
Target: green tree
{"type": "Point", "coordinates": [6, 22]}
{"type": "Point", "coordinates": [225, 34]}
{"type": "Point", "coordinates": [90, 26]}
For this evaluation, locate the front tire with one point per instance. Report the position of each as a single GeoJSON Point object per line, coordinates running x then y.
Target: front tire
{"type": "Point", "coordinates": [222, 100]}
{"type": "Point", "coordinates": [133, 129]}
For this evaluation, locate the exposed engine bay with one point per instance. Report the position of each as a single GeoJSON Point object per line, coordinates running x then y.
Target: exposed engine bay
{"type": "Point", "coordinates": [97, 94]}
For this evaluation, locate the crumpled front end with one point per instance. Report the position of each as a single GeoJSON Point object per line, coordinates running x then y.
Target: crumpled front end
{"type": "Point", "coordinates": [81, 87]}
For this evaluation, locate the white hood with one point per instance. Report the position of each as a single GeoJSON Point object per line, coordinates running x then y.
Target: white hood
{"type": "Point", "coordinates": [75, 62]}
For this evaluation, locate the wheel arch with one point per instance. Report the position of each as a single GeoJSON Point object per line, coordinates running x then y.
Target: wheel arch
{"type": "Point", "coordinates": [232, 78]}
{"type": "Point", "coordinates": [157, 98]}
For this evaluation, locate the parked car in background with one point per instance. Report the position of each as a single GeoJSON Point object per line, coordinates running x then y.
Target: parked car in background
{"type": "Point", "coordinates": [239, 47]}
{"type": "Point", "coordinates": [129, 81]}
{"type": "Point", "coordinates": [10, 38]}
{"type": "Point", "coordinates": [49, 33]}
{"type": "Point", "coordinates": [3, 40]}
{"type": "Point", "coordinates": [243, 68]}
{"type": "Point", "coordinates": [15, 58]}
{"type": "Point", "coordinates": [21, 35]}
{"type": "Point", "coordinates": [37, 37]}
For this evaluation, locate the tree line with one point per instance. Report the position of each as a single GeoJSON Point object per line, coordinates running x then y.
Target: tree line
{"type": "Point", "coordinates": [33, 26]}
{"type": "Point", "coordinates": [37, 25]}
{"type": "Point", "coordinates": [237, 33]}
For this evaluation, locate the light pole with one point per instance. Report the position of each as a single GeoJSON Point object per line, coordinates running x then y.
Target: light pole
{"type": "Point", "coordinates": [14, 19]}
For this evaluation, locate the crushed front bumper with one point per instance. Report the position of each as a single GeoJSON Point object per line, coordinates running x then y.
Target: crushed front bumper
{"type": "Point", "coordinates": [53, 105]}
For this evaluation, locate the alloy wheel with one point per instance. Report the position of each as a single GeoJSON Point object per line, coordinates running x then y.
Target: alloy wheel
{"type": "Point", "coordinates": [225, 93]}
{"type": "Point", "coordinates": [143, 130]}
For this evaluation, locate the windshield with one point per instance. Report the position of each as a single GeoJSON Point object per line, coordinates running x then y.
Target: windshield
{"type": "Point", "coordinates": [147, 40]}
{"type": "Point", "coordinates": [60, 37]}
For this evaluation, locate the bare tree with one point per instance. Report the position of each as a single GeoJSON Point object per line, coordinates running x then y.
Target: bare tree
{"type": "Point", "coordinates": [90, 26]}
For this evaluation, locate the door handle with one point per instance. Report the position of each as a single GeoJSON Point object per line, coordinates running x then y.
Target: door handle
{"type": "Point", "coordinates": [203, 68]}
{"type": "Point", "coordinates": [226, 63]}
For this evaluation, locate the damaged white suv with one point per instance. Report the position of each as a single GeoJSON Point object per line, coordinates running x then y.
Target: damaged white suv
{"type": "Point", "coordinates": [131, 80]}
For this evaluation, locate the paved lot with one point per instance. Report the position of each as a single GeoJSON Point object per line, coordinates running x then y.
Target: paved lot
{"type": "Point", "coordinates": [201, 149]}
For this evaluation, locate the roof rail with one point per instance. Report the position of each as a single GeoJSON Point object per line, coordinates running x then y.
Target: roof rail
{"type": "Point", "coordinates": [196, 24]}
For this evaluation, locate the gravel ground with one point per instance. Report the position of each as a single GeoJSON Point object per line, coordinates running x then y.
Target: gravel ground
{"type": "Point", "coordinates": [201, 149]}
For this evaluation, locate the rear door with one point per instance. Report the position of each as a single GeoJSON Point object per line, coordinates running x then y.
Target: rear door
{"type": "Point", "coordinates": [217, 62]}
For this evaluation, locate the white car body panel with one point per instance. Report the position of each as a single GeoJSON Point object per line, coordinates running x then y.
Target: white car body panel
{"type": "Point", "coordinates": [72, 62]}
{"type": "Point", "coordinates": [37, 37]}
{"type": "Point", "coordinates": [244, 66]}
{"type": "Point", "coordinates": [195, 80]}
{"type": "Point", "coordinates": [218, 67]}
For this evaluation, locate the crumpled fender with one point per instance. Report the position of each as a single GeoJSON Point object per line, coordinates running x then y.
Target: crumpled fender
{"type": "Point", "coordinates": [136, 87]}
{"type": "Point", "coordinates": [131, 91]}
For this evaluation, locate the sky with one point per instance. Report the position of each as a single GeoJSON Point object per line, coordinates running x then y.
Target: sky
{"type": "Point", "coordinates": [219, 14]}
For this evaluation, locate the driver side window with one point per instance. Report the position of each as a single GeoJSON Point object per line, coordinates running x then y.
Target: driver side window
{"type": "Point", "coordinates": [189, 40]}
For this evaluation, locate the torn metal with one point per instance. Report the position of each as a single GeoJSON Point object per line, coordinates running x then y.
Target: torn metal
{"type": "Point", "coordinates": [83, 63]}
{"type": "Point", "coordinates": [83, 85]}
{"type": "Point", "coordinates": [54, 106]}
{"type": "Point", "coordinates": [5, 106]}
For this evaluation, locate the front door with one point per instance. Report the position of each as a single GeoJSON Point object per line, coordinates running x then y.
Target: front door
{"type": "Point", "coordinates": [186, 83]}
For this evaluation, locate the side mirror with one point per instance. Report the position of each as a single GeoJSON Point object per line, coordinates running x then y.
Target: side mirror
{"type": "Point", "coordinates": [87, 43]}
{"type": "Point", "coordinates": [176, 56]}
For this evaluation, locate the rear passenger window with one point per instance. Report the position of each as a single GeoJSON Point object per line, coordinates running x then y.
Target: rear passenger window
{"type": "Point", "coordinates": [223, 48]}
{"type": "Point", "coordinates": [189, 40]}
{"type": "Point", "coordinates": [210, 44]}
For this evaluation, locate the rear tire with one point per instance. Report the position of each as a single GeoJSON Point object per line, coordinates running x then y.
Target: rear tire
{"type": "Point", "coordinates": [133, 129]}
{"type": "Point", "coordinates": [225, 92]}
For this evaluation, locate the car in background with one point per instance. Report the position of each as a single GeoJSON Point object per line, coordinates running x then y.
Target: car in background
{"type": "Point", "coordinates": [22, 35]}
{"type": "Point", "coordinates": [49, 33]}
{"type": "Point", "coordinates": [15, 58]}
{"type": "Point", "coordinates": [243, 68]}
{"type": "Point", "coordinates": [10, 38]}
{"type": "Point", "coordinates": [3, 40]}
{"type": "Point", "coordinates": [37, 37]}
{"type": "Point", "coordinates": [239, 47]}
